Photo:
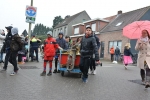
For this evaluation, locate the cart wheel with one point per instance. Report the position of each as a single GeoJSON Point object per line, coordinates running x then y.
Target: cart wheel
{"type": "Point", "coordinates": [62, 73]}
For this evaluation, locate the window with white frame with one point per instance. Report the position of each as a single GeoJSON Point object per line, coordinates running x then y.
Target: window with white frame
{"type": "Point", "coordinates": [76, 30]}
{"type": "Point", "coordinates": [114, 44]}
{"type": "Point", "coordinates": [61, 30]}
{"type": "Point", "coordinates": [65, 30]}
{"type": "Point", "coordinates": [55, 33]}
{"type": "Point", "coordinates": [94, 27]}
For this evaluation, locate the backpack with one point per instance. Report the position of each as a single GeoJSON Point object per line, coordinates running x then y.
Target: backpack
{"type": "Point", "coordinates": [15, 45]}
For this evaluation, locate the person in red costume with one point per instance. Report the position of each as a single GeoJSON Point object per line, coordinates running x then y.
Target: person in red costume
{"type": "Point", "coordinates": [50, 46]}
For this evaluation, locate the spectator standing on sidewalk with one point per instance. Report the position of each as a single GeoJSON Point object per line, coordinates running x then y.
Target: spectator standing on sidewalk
{"type": "Point", "coordinates": [6, 47]}
{"type": "Point", "coordinates": [112, 52]}
{"type": "Point", "coordinates": [88, 45]}
{"type": "Point", "coordinates": [62, 43]}
{"type": "Point", "coordinates": [143, 46]}
{"type": "Point", "coordinates": [2, 37]}
{"type": "Point", "coordinates": [127, 55]}
{"type": "Point", "coordinates": [117, 54]}
{"type": "Point", "coordinates": [50, 45]}
{"type": "Point", "coordinates": [34, 47]}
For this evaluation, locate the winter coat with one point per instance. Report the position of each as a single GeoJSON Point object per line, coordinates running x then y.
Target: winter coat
{"type": "Point", "coordinates": [23, 51]}
{"type": "Point", "coordinates": [50, 45]}
{"type": "Point", "coordinates": [127, 52]}
{"type": "Point", "coordinates": [88, 47]}
{"type": "Point", "coordinates": [8, 40]}
{"type": "Point", "coordinates": [97, 41]}
{"type": "Point", "coordinates": [144, 54]}
{"type": "Point", "coordinates": [16, 43]}
{"type": "Point", "coordinates": [117, 51]}
{"type": "Point", "coordinates": [112, 51]}
{"type": "Point", "coordinates": [34, 42]}
{"type": "Point", "coordinates": [68, 45]}
{"type": "Point", "coordinates": [62, 43]}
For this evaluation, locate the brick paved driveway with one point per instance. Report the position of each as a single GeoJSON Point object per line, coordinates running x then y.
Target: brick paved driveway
{"type": "Point", "coordinates": [111, 82]}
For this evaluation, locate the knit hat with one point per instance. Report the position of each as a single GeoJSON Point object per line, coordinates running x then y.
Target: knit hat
{"type": "Point", "coordinates": [14, 31]}
{"type": "Point", "coordinates": [49, 33]}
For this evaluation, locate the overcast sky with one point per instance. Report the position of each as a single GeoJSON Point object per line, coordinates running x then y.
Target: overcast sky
{"type": "Point", "coordinates": [13, 11]}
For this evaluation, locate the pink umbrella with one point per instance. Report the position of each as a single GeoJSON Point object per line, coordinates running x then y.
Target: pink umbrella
{"type": "Point", "coordinates": [133, 30]}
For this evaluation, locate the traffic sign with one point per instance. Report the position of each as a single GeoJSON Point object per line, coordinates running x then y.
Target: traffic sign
{"type": "Point", "coordinates": [31, 11]}
{"type": "Point", "coordinates": [30, 20]}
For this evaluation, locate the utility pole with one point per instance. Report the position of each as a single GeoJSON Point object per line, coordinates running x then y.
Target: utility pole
{"type": "Point", "coordinates": [29, 34]}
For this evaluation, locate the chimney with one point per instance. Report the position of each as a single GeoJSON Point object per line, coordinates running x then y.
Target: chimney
{"type": "Point", "coordinates": [119, 12]}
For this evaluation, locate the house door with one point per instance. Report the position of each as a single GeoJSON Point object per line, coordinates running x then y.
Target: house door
{"type": "Point", "coordinates": [102, 50]}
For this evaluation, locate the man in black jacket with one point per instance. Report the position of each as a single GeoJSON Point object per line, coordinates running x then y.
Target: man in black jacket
{"type": "Point", "coordinates": [6, 47]}
{"type": "Point", "coordinates": [88, 45]}
{"type": "Point", "coordinates": [117, 53]}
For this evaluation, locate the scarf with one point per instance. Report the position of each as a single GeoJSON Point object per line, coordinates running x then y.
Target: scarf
{"type": "Point", "coordinates": [144, 39]}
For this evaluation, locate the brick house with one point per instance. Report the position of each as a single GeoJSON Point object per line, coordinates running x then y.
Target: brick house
{"type": "Point", "coordinates": [66, 25]}
{"type": "Point", "coordinates": [79, 29]}
{"type": "Point", "coordinates": [111, 35]}
{"type": "Point", "coordinates": [110, 29]}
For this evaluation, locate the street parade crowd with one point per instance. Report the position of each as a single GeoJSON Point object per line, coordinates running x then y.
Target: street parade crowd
{"type": "Point", "coordinates": [16, 46]}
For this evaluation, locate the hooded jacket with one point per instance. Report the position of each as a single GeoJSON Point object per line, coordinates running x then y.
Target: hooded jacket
{"type": "Point", "coordinates": [49, 47]}
{"type": "Point", "coordinates": [117, 51]}
{"type": "Point", "coordinates": [61, 42]}
{"type": "Point", "coordinates": [88, 47]}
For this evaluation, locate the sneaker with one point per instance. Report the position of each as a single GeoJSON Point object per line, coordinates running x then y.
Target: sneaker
{"type": "Point", "coordinates": [49, 74]}
{"type": "Point", "coordinates": [55, 71]}
{"type": "Point", "coordinates": [94, 72]}
{"type": "Point", "coordinates": [13, 73]}
{"type": "Point", "coordinates": [43, 73]}
{"type": "Point", "coordinates": [85, 80]}
{"type": "Point", "coordinates": [147, 85]}
{"type": "Point", "coordinates": [125, 67]}
{"type": "Point", "coordinates": [91, 72]}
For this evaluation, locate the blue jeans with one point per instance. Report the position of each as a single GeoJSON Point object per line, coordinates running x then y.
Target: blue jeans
{"type": "Point", "coordinates": [1, 56]}
{"type": "Point", "coordinates": [116, 57]}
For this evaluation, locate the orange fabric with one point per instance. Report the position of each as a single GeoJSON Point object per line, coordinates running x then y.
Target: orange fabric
{"type": "Point", "coordinates": [112, 50]}
{"type": "Point", "coordinates": [49, 58]}
{"type": "Point", "coordinates": [50, 47]}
